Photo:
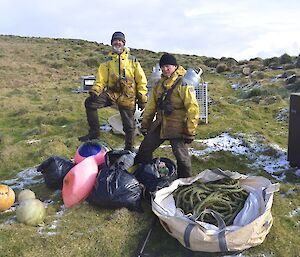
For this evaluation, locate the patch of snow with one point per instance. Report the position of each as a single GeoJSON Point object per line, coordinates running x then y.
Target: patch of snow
{"type": "Point", "coordinates": [254, 150]}
{"type": "Point", "coordinates": [50, 230]}
{"type": "Point", "coordinates": [24, 178]}
{"type": "Point", "coordinates": [9, 221]}
{"type": "Point", "coordinates": [295, 212]}
{"type": "Point", "coordinates": [283, 115]}
{"type": "Point", "coordinates": [224, 142]}
{"type": "Point", "coordinates": [32, 141]}
{"type": "Point", "coordinates": [106, 127]}
{"type": "Point", "coordinates": [246, 87]}
{"type": "Point", "coordinates": [232, 75]}
{"type": "Point", "coordinates": [236, 86]}
{"type": "Point", "coordinates": [47, 202]}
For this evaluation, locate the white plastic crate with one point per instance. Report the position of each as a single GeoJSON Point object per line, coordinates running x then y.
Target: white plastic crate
{"type": "Point", "coordinates": [201, 95]}
{"type": "Point", "coordinates": [87, 83]}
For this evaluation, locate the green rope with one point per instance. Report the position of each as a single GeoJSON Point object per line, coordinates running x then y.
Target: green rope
{"type": "Point", "coordinates": [225, 196]}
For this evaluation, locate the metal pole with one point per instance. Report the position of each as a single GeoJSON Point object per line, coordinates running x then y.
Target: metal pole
{"type": "Point", "coordinates": [148, 236]}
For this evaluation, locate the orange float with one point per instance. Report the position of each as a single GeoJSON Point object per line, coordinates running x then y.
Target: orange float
{"type": "Point", "coordinates": [7, 197]}
{"type": "Point", "coordinates": [79, 181]}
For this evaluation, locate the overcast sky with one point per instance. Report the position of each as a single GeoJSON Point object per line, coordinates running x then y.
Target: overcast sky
{"type": "Point", "coordinates": [242, 29]}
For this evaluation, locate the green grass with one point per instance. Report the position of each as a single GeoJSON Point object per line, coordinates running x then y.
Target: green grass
{"type": "Point", "coordinates": [41, 117]}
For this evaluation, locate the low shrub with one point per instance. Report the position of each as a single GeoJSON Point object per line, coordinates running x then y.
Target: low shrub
{"type": "Point", "coordinates": [221, 67]}
{"type": "Point", "coordinates": [297, 62]}
{"type": "Point", "coordinates": [285, 58]}
{"type": "Point", "coordinates": [211, 62]}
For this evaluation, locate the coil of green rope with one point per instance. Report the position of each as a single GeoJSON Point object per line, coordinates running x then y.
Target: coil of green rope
{"type": "Point", "coordinates": [225, 196]}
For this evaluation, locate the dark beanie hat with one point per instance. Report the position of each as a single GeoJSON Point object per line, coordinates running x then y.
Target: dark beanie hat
{"type": "Point", "coordinates": [118, 35]}
{"type": "Point", "coordinates": [167, 59]}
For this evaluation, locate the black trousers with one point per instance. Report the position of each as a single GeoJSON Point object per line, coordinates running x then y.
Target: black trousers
{"type": "Point", "coordinates": [180, 149]}
{"type": "Point", "coordinates": [127, 117]}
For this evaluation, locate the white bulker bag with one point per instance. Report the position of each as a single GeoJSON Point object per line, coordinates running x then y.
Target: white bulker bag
{"type": "Point", "coordinates": [250, 226]}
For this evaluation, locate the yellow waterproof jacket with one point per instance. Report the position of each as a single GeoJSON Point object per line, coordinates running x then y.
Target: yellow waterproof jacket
{"type": "Point", "coordinates": [123, 78]}
{"type": "Point", "coordinates": [183, 121]}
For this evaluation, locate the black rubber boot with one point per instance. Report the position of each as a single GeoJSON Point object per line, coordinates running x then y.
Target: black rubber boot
{"type": "Point", "coordinates": [88, 137]}
{"type": "Point", "coordinates": [93, 121]}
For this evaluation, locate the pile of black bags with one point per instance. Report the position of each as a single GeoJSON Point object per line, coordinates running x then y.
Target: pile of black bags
{"type": "Point", "coordinates": [115, 186]}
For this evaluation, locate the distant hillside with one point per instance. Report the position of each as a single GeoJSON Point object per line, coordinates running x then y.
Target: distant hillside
{"type": "Point", "coordinates": [32, 63]}
{"type": "Point", "coordinates": [25, 60]}
{"type": "Point", "coordinates": [41, 55]}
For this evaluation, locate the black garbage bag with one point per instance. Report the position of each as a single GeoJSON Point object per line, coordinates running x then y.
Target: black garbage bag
{"type": "Point", "coordinates": [116, 188]}
{"type": "Point", "coordinates": [123, 159]}
{"type": "Point", "coordinates": [54, 169]}
{"type": "Point", "coordinates": [156, 175]}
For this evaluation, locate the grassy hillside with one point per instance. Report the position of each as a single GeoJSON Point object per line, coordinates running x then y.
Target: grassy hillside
{"type": "Point", "coordinates": [41, 117]}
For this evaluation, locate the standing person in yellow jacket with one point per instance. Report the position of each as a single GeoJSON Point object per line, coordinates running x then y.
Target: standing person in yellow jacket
{"type": "Point", "coordinates": [120, 80]}
{"type": "Point", "coordinates": [174, 104]}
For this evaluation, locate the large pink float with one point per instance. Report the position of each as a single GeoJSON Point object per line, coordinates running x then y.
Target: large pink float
{"type": "Point", "coordinates": [79, 181]}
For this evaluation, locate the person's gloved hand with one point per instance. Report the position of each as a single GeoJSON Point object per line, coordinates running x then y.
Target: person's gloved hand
{"type": "Point", "coordinates": [144, 131]}
{"type": "Point", "coordinates": [188, 140]}
{"type": "Point", "coordinates": [93, 95]}
{"type": "Point", "coordinates": [141, 106]}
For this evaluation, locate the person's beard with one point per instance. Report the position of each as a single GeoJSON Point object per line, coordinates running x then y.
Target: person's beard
{"type": "Point", "coordinates": [118, 50]}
